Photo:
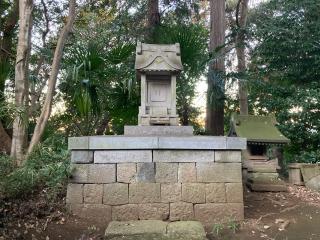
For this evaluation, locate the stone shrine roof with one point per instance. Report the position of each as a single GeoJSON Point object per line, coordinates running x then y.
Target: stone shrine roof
{"type": "Point", "coordinates": [158, 57]}
{"type": "Point", "coordinates": [257, 129]}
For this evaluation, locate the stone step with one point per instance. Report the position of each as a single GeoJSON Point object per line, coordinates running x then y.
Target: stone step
{"type": "Point", "coordinates": [265, 187]}
{"type": "Point", "coordinates": [155, 230]}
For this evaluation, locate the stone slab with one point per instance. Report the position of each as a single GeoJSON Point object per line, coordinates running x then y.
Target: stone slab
{"type": "Point", "coordinates": [122, 156]}
{"type": "Point", "coordinates": [94, 212]}
{"type": "Point", "coordinates": [81, 156]}
{"type": "Point", "coordinates": [314, 183]}
{"type": "Point", "coordinates": [265, 187]}
{"type": "Point", "coordinates": [158, 130]}
{"type": "Point", "coordinates": [219, 172]}
{"type": "Point", "coordinates": [135, 230]}
{"type": "Point", "coordinates": [183, 156]}
{"type": "Point", "coordinates": [74, 193]}
{"type": "Point", "coordinates": [122, 142]}
{"type": "Point", "coordinates": [145, 172]}
{"type": "Point", "coordinates": [227, 156]}
{"type": "Point", "coordinates": [187, 172]}
{"type": "Point", "coordinates": [166, 172]}
{"type": "Point", "coordinates": [196, 142]}
{"type": "Point", "coordinates": [215, 193]}
{"type": "Point", "coordinates": [126, 172]}
{"type": "Point", "coordinates": [127, 212]}
{"type": "Point", "coordinates": [78, 143]}
{"type": "Point", "coordinates": [93, 193]}
{"type": "Point", "coordinates": [193, 192]}
{"type": "Point", "coordinates": [186, 230]}
{"type": "Point", "coordinates": [154, 211]}
{"type": "Point", "coordinates": [236, 143]}
{"type": "Point", "coordinates": [93, 173]}
{"type": "Point", "coordinates": [115, 193]}
{"type": "Point", "coordinates": [181, 211]}
{"type": "Point", "coordinates": [170, 192]}
{"type": "Point", "coordinates": [234, 192]}
{"type": "Point", "coordinates": [310, 171]}
{"type": "Point", "coordinates": [144, 193]}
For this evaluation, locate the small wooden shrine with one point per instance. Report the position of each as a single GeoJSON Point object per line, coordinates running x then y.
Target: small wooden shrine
{"type": "Point", "coordinates": [260, 166]}
{"type": "Point", "coordinates": [157, 67]}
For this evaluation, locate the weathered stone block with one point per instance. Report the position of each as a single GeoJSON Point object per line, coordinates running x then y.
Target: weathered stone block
{"type": "Point", "coordinates": [234, 192]}
{"type": "Point", "coordinates": [183, 156]}
{"type": "Point", "coordinates": [170, 192]}
{"type": "Point", "coordinates": [193, 192]}
{"type": "Point", "coordinates": [215, 193]}
{"type": "Point", "coordinates": [126, 172]}
{"type": "Point", "coordinates": [79, 173]}
{"type": "Point", "coordinates": [158, 130]}
{"type": "Point", "coordinates": [122, 142]}
{"type": "Point", "coordinates": [181, 211]}
{"type": "Point", "coordinates": [236, 143]}
{"type": "Point", "coordinates": [125, 212]}
{"type": "Point", "coordinates": [227, 156]}
{"type": "Point", "coordinates": [93, 212]}
{"type": "Point", "coordinates": [155, 211]}
{"type": "Point", "coordinates": [196, 142]}
{"type": "Point", "coordinates": [78, 143]}
{"type": "Point", "coordinates": [74, 193]}
{"type": "Point", "coordinates": [102, 173]}
{"type": "Point", "coordinates": [166, 172]}
{"type": "Point", "coordinates": [219, 172]}
{"type": "Point", "coordinates": [186, 230]}
{"type": "Point", "coordinates": [115, 194]}
{"type": "Point", "coordinates": [122, 156]}
{"type": "Point", "coordinates": [93, 193]}
{"type": "Point", "coordinates": [144, 192]}
{"type": "Point", "coordinates": [210, 213]}
{"type": "Point", "coordinates": [81, 156]}
{"type": "Point", "coordinates": [187, 172]}
{"type": "Point", "coordinates": [145, 172]}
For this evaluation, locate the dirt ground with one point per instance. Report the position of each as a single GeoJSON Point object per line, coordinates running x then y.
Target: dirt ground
{"type": "Point", "coordinates": [293, 215]}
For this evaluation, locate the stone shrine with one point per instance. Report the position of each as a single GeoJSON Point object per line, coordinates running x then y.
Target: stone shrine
{"type": "Point", "coordinates": [157, 170]}
{"type": "Point", "coordinates": [157, 67]}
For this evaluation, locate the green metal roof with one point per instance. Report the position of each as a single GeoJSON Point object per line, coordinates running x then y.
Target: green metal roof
{"type": "Point", "coordinates": [257, 129]}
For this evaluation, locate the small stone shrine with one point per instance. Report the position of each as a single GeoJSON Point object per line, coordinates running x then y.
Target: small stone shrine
{"type": "Point", "coordinates": [157, 67]}
{"type": "Point", "coordinates": [260, 166]}
{"type": "Point", "coordinates": [157, 170]}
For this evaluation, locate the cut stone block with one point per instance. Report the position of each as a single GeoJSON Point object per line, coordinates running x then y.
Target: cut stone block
{"type": "Point", "coordinates": [236, 143]}
{"type": "Point", "coordinates": [126, 172]}
{"type": "Point", "coordinates": [136, 230]}
{"type": "Point", "coordinates": [125, 212]}
{"type": "Point", "coordinates": [193, 192]}
{"type": "Point", "coordinates": [183, 156]}
{"type": "Point", "coordinates": [145, 172]}
{"type": "Point", "coordinates": [122, 142]}
{"type": "Point", "coordinates": [155, 211]}
{"type": "Point", "coordinates": [267, 187]}
{"type": "Point", "coordinates": [210, 213]}
{"type": "Point", "coordinates": [74, 193]}
{"type": "Point", "coordinates": [102, 173]}
{"type": "Point", "coordinates": [170, 192]}
{"type": "Point", "coordinates": [115, 194]}
{"type": "Point", "coordinates": [187, 172]}
{"type": "Point", "coordinates": [81, 156]}
{"type": "Point", "coordinates": [79, 173]}
{"type": "Point", "coordinates": [122, 156]}
{"type": "Point", "coordinates": [144, 192]}
{"type": "Point", "coordinates": [219, 172]}
{"type": "Point", "coordinates": [93, 212]}
{"type": "Point", "coordinates": [78, 143]}
{"type": "Point", "coordinates": [196, 142]}
{"type": "Point", "coordinates": [314, 183]}
{"type": "Point", "coordinates": [234, 192]}
{"type": "Point", "coordinates": [310, 171]}
{"type": "Point", "coordinates": [158, 130]}
{"type": "Point", "coordinates": [93, 193]}
{"type": "Point", "coordinates": [215, 193]}
{"type": "Point", "coordinates": [167, 172]}
{"type": "Point", "coordinates": [295, 176]}
{"type": "Point", "coordinates": [227, 156]}
{"type": "Point", "coordinates": [186, 230]}
{"type": "Point", "coordinates": [181, 211]}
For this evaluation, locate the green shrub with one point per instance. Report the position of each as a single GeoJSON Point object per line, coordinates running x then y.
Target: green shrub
{"type": "Point", "coordinates": [47, 167]}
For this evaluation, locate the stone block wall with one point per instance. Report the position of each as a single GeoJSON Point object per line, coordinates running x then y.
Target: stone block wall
{"type": "Point", "coordinates": [165, 184]}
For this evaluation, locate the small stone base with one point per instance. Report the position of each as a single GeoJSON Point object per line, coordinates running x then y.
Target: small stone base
{"type": "Point", "coordinates": [158, 130]}
{"type": "Point", "coordinates": [154, 229]}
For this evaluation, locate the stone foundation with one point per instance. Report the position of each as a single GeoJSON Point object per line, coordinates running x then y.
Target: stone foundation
{"type": "Point", "coordinates": [163, 178]}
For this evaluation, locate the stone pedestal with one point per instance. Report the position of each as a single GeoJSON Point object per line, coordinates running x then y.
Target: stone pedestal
{"type": "Point", "coordinates": [125, 178]}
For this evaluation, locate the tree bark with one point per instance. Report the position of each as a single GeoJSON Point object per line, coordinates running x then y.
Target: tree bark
{"type": "Point", "coordinates": [240, 49]}
{"type": "Point", "coordinates": [153, 18]}
{"type": "Point", "coordinates": [216, 84]}
{"type": "Point", "coordinates": [46, 109]}
{"type": "Point", "coordinates": [21, 80]}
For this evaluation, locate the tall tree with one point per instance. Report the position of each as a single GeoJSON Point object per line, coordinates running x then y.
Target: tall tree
{"type": "Point", "coordinates": [21, 79]}
{"type": "Point", "coordinates": [216, 83]}
{"type": "Point", "coordinates": [153, 18]}
{"type": "Point", "coordinates": [46, 109]}
{"type": "Point", "coordinates": [241, 16]}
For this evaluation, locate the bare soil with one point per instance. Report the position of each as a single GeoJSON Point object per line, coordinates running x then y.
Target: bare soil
{"type": "Point", "coordinates": [293, 215]}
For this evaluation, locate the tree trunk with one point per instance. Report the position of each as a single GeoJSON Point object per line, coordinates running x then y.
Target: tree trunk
{"type": "Point", "coordinates": [153, 18]}
{"type": "Point", "coordinates": [216, 83]}
{"type": "Point", "coordinates": [46, 109]}
{"type": "Point", "coordinates": [21, 80]}
{"type": "Point", "coordinates": [240, 49]}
